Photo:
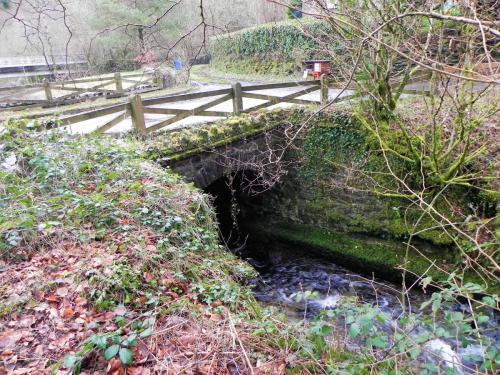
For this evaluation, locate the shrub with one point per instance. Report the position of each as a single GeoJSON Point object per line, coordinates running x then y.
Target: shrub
{"type": "Point", "coordinates": [277, 48]}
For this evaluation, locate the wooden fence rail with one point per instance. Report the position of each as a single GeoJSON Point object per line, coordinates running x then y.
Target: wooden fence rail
{"type": "Point", "coordinates": [110, 86]}
{"type": "Point", "coordinates": [137, 108]}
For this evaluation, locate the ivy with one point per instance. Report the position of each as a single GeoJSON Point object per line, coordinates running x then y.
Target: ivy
{"type": "Point", "coordinates": [273, 46]}
{"type": "Point", "coordinates": [335, 139]}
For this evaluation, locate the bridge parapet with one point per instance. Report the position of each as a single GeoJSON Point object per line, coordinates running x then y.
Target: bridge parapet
{"type": "Point", "coordinates": [240, 143]}
{"type": "Point", "coordinates": [207, 166]}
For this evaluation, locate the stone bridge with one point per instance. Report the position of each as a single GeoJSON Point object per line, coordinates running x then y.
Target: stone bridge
{"type": "Point", "coordinates": [208, 165]}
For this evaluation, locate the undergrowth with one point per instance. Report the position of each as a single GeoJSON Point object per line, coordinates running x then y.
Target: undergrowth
{"type": "Point", "coordinates": [110, 262]}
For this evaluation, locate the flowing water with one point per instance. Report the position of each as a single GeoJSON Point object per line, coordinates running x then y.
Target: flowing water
{"type": "Point", "coordinates": [282, 283]}
{"type": "Point", "coordinates": [285, 274]}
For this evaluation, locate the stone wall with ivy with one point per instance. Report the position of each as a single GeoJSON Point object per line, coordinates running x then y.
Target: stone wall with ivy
{"type": "Point", "coordinates": [277, 48]}
{"type": "Point", "coordinates": [322, 193]}
{"type": "Point", "coordinates": [315, 193]}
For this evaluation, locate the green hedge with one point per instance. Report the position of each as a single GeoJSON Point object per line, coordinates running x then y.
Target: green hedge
{"type": "Point", "coordinates": [273, 48]}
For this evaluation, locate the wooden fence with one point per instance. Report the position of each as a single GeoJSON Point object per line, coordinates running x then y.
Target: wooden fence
{"type": "Point", "coordinates": [137, 108]}
{"type": "Point", "coordinates": [116, 85]}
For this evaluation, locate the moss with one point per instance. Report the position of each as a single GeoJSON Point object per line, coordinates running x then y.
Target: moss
{"type": "Point", "coordinates": [223, 142]}
{"type": "Point", "coordinates": [389, 223]}
{"type": "Point", "coordinates": [339, 139]}
{"type": "Point", "coordinates": [384, 258]}
{"type": "Point", "coordinates": [192, 141]}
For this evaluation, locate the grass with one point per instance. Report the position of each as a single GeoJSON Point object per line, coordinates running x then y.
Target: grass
{"type": "Point", "coordinates": [210, 74]}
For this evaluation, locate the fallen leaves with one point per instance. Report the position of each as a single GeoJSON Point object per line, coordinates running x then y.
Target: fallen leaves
{"type": "Point", "coordinates": [54, 316]}
{"type": "Point", "coordinates": [187, 340]}
{"type": "Point", "coordinates": [52, 298]}
{"type": "Point", "coordinates": [9, 338]}
{"type": "Point", "coordinates": [62, 292]}
{"type": "Point", "coordinates": [68, 313]}
{"type": "Point", "coordinates": [115, 367]}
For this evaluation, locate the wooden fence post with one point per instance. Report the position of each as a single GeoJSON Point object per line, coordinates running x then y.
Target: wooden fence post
{"type": "Point", "coordinates": [48, 91]}
{"type": "Point", "coordinates": [324, 89]}
{"type": "Point", "coordinates": [158, 79]}
{"type": "Point", "coordinates": [137, 114]}
{"type": "Point", "coordinates": [237, 98]}
{"type": "Point", "coordinates": [118, 83]}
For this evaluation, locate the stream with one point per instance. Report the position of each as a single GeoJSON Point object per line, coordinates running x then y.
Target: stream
{"type": "Point", "coordinates": [285, 274]}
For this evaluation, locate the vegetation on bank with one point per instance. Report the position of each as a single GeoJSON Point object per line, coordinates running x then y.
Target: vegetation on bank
{"type": "Point", "coordinates": [118, 256]}
{"type": "Point", "coordinates": [338, 143]}
{"type": "Point", "coordinates": [382, 258]}
{"type": "Point", "coordinates": [273, 49]}
{"type": "Point", "coordinates": [110, 262]}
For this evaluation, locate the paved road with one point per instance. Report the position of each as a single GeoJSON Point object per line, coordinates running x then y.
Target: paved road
{"type": "Point", "coordinates": [126, 125]}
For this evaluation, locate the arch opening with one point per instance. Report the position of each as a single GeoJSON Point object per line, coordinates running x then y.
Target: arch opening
{"type": "Point", "coordinates": [237, 198]}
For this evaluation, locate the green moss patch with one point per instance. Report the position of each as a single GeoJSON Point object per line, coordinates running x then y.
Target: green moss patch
{"type": "Point", "coordinates": [184, 143]}
{"type": "Point", "coordinates": [385, 259]}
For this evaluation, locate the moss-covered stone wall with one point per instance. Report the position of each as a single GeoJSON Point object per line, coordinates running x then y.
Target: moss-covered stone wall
{"type": "Point", "coordinates": [314, 191]}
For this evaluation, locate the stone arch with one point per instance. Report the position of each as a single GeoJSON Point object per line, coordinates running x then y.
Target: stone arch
{"type": "Point", "coordinates": [205, 167]}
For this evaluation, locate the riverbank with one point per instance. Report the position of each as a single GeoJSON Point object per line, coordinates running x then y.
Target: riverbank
{"type": "Point", "coordinates": [387, 259]}
{"type": "Point", "coordinates": [109, 262]}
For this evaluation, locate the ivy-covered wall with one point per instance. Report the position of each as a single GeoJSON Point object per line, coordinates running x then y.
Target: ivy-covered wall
{"type": "Point", "coordinates": [322, 193]}
{"type": "Point", "coordinates": [315, 192]}
{"type": "Point", "coordinates": [277, 48]}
